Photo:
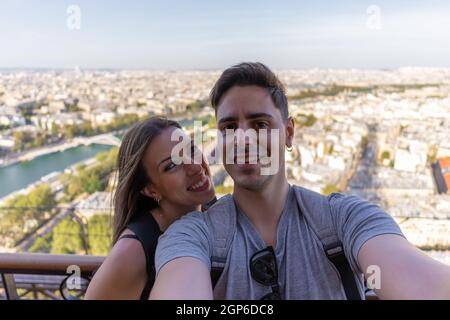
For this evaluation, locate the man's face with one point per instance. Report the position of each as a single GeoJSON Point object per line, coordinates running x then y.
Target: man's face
{"type": "Point", "coordinates": [251, 107]}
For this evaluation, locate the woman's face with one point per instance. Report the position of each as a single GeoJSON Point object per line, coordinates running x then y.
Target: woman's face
{"type": "Point", "coordinates": [185, 185]}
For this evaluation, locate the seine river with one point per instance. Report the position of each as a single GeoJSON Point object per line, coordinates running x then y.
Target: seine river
{"type": "Point", "coordinates": [20, 175]}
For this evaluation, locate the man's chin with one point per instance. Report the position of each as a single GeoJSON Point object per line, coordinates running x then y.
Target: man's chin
{"type": "Point", "coordinates": [248, 178]}
{"type": "Point", "coordinates": [251, 183]}
{"type": "Point", "coordinates": [247, 168]}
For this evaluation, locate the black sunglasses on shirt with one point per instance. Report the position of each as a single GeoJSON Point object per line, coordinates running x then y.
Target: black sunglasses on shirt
{"type": "Point", "coordinates": [264, 270]}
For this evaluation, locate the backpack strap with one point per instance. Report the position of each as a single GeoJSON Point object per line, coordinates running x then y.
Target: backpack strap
{"type": "Point", "coordinates": [311, 205]}
{"type": "Point", "coordinates": [221, 220]}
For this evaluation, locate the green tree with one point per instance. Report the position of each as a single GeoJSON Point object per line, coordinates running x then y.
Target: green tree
{"type": "Point", "coordinates": [306, 120]}
{"type": "Point", "coordinates": [55, 129]}
{"type": "Point", "coordinates": [331, 149]}
{"type": "Point", "coordinates": [385, 155]}
{"type": "Point", "coordinates": [90, 180]}
{"type": "Point", "coordinates": [72, 107]}
{"type": "Point", "coordinates": [87, 129]}
{"type": "Point", "coordinates": [74, 187]}
{"type": "Point", "coordinates": [69, 131]}
{"type": "Point", "coordinates": [42, 244]}
{"type": "Point", "coordinates": [22, 140]}
{"type": "Point", "coordinates": [67, 238]}
{"type": "Point", "coordinates": [99, 232]}
{"type": "Point", "coordinates": [93, 184]}
{"type": "Point", "coordinates": [106, 161]}
{"type": "Point", "coordinates": [211, 123]}
{"type": "Point", "coordinates": [26, 212]}
{"type": "Point", "coordinates": [14, 220]}
{"type": "Point", "coordinates": [43, 197]}
{"type": "Point", "coordinates": [39, 140]}
{"type": "Point", "coordinates": [195, 106]}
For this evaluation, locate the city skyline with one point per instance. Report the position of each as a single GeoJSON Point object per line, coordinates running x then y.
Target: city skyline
{"type": "Point", "coordinates": [373, 134]}
{"type": "Point", "coordinates": [366, 86]}
{"type": "Point", "coordinates": [199, 35]}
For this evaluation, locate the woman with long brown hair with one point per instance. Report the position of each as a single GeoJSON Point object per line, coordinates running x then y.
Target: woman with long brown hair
{"type": "Point", "coordinates": [152, 192]}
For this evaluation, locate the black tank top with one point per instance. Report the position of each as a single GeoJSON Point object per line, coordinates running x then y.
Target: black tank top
{"type": "Point", "coordinates": [147, 232]}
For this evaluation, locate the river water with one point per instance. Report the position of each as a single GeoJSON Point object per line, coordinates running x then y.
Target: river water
{"type": "Point", "coordinates": [20, 175]}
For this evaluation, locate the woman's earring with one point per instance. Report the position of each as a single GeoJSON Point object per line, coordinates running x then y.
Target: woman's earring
{"type": "Point", "coordinates": [289, 149]}
{"type": "Point", "coordinates": [157, 200]}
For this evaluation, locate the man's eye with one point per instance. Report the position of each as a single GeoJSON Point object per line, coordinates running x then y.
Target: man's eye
{"type": "Point", "coordinates": [229, 127]}
{"type": "Point", "coordinates": [262, 125]}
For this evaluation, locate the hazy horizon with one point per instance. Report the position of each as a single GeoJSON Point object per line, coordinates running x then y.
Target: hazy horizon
{"type": "Point", "coordinates": [39, 69]}
{"type": "Point", "coordinates": [205, 35]}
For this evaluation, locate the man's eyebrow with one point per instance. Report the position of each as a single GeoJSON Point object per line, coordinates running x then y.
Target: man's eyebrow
{"type": "Point", "coordinates": [227, 119]}
{"type": "Point", "coordinates": [258, 115]}
{"type": "Point", "coordinates": [247, 116]}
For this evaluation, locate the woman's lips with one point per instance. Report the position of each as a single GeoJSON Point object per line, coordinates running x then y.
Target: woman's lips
{"type": "Point", "coordinates": [199, 186]}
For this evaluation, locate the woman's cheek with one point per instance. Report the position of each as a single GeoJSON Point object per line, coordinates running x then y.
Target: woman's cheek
{"type": "Point", "coordinates": [176, 183]}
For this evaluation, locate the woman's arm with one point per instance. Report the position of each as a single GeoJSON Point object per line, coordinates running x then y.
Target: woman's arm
{"type": "Point", "coordinates": [122, 276]}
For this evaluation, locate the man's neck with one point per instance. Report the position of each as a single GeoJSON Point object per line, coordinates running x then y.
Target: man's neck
{"type": "Point", "coordinates": [264, 207]}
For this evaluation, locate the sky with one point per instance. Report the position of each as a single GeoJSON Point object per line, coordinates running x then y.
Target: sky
{"type": "Point", "coordinates": [199, 34]}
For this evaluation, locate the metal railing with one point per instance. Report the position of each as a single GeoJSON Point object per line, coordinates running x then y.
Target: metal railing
{"type": "Point", "coordinates": [46, 276]}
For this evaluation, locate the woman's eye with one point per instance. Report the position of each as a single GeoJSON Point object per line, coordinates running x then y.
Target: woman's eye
{"type": "Point", "coordinates": [170, 166]}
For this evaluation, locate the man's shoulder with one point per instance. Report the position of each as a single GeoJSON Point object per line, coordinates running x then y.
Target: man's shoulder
{"type": "Point", "coordinates": [337, 203]}
{"type": "Point", "coordinates": [338, 199]}
{"type": "Point", "coordinates": [332, 197]}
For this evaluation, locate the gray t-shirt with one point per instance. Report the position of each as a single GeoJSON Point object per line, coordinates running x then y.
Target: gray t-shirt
{"type": "Point", "coordinates": [303, 268]}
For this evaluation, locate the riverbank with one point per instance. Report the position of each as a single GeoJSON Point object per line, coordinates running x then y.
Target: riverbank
{"type": "Point", "coordinates": [52, 179]}
{"type": "Point", "coordinates": [107, 139]}
{"type": "Point", "coordinates": [28, 155]}
{"type": "Point", "coordinates": [22, 176]}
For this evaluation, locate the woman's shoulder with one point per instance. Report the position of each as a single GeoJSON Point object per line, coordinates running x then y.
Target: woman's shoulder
{"type": "Point", "coordinates": [128, 240]}
{"type": "Point", "coordinates": [123, 272]}
{"type": "Point", "coordinates": [128, 254]}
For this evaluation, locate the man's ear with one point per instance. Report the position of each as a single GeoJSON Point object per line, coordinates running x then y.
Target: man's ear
{"type": "Point", "coordinates": [290, 128]}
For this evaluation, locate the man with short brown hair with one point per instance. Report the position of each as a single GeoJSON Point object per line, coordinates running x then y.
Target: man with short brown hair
{"type": "Point", "coordinates": [272, 240]}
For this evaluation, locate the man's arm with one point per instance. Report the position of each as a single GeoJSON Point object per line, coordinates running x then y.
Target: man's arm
{"type": "Point", "coordinates": [183, 278]}
{"type": "Point", "coordinates": [406, 272]}
{"type": "Point", "coordinates": [182, 260]}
